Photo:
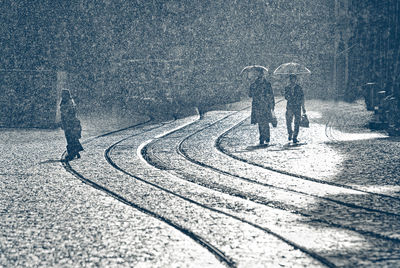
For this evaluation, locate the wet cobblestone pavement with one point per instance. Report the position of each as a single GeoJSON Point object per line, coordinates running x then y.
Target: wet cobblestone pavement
{"type": "Point", "coordinates": [51, 219]}
{"type": "Point", "coordinates": [199, 193]}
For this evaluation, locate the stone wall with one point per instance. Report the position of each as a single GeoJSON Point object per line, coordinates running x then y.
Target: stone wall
{"type": "Point", "coordinates": [190, 51]}
{"type": "Point", "coordinates": [28, 98]}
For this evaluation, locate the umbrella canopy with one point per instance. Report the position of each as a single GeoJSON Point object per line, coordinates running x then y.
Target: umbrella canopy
{"type": "Point", "coordinates": [255, 68]}
{"type": "Point", "coordinates": [292, 68]}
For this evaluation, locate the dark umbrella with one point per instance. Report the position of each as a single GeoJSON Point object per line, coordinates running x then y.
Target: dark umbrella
{"type": "Point", "coordinates": [292, 68]}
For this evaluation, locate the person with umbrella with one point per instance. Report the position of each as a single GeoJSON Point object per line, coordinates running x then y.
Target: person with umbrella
{"type": "Point", "coordinates": [263, 104]}
{"type": "Point", "coordinates": [295, 103]}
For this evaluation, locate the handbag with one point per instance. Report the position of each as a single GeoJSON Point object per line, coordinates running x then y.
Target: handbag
{"type": "Point", "coordinates": [304, 122]}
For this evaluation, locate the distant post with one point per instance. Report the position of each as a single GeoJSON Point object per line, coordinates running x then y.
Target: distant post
{"type": "Point", "coordinates": [335, 49]}
{"type": "Point", "coordinates": [61, 83]}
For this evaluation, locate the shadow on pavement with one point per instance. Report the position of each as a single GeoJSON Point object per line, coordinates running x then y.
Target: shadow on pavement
{"type": "Point", "coordinates": [51, 161]}
{"type": "Point", "coordinates": [271, 147]}
{"type": "Point", "coordinates": [256, 147]}
{"type": "Point", "coordinates": [369, 162]}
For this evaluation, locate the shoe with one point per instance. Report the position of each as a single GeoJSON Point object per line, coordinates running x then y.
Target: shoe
{"type": "Point", "coordinates": [78, 155]}
{"type": "Point", "coordinates": [261, 142]}
{"type": "Point", "coordinates": [290, 137]}
{"type": "Point", "coordinates": [295, 140]}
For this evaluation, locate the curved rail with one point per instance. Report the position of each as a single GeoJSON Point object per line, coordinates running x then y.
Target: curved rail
{"type": "Point", "coordinates": [298, 176]}
{"type": "Point", "coordinates": [143, 152]}
{"type": "Point", "coordinates": [182, 152]}
{"type": "Point", "coordinates": [214, 250]}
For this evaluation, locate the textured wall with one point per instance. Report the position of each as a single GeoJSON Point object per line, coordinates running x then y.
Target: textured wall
{"type": "Point", "coordinates": [28, 99]}
{"type": "Point", "coordinates": [192, 51]}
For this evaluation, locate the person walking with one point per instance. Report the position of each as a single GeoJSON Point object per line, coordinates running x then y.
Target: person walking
{"type": "Point", "coordinates": [71, 125]}
{"type": "Point", "coordinates": [263, 104]}
{"type": "Point", "coordinates": [295, 103]}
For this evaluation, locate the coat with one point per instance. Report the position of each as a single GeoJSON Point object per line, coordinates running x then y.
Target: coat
{"type": "Point", "coordinates": [71, 126]}
{"type": "Point", "coordinates": [69, 122]}
{"type": "Point", "coordinates": [263, 101]}
{"type": "Point", "coordinates": [295, 97]}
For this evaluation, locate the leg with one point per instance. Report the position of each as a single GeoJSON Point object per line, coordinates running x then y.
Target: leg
{"type": "Point", "coordinates": [289, 119]}
{"type": "Point", "coordinates": [297, 119]}
{"type": "Point", "coordinates": [73, 147]}
{"type": "Point", "coordinates": [76, 148]}
{"type": "Point", "coordinates": [70, 141]}
{"type": "Point", "coordinates": [267, 133]}
{"type": "Point", "coordinates": [261, 131]}
{"type": "Point", "coordinates": [264, 132]}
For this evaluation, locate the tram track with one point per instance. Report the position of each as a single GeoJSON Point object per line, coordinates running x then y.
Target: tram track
{"type": "Point", "coordinates": [198, 239]}
{"type": "Point", "coordinates": [214, 250]}
{"type": "Point", "coordinates": [156, 164]}
{"type": "Point", "coordinates": [143, 152]}
{"type": "Point", "coordinates": [298, 176]}
{"type": "Point", "coordinates": [181, 151]}
{"type": "Point", "coordinates": [292, 209]}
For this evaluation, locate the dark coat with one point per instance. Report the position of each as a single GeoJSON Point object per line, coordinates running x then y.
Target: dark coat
{"type": "Point", "coordinates": [263, 101]}
{"type": "Point", "coordinates": [69, 122]}
{"type": "Point", "coordinates": [294, 96]}
{"type": "Point", "coordinates": [71, 126]}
